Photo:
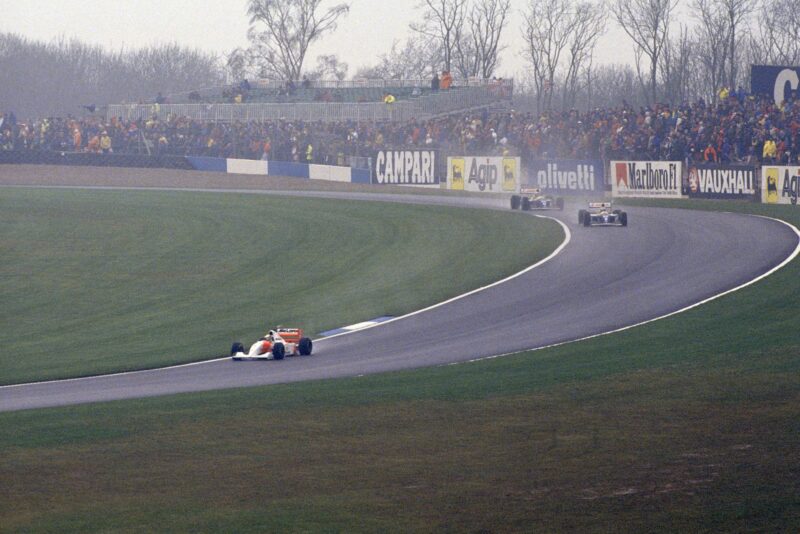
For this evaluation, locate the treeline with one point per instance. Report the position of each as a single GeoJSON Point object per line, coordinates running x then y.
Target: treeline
{"type": "Point", "coordinates": [60, 77]}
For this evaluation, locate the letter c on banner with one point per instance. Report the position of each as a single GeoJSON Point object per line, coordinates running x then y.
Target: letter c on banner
{"type": "Point", "coordinates": [786, 75]}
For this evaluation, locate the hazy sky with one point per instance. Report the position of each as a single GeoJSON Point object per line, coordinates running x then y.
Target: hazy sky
{"type": "Point", "coordinates": [221, 25]}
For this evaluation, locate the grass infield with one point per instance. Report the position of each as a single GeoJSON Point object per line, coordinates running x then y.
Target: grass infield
{"type": "Point", "coordinates": [101, 281]}
{"type": "Point", "coordinates": [684, 425]}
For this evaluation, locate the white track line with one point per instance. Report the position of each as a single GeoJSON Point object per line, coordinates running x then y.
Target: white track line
{"type": "Point", "coordinates": [567, 239]}
{"type": "Point", "coordinates": [785, 262]}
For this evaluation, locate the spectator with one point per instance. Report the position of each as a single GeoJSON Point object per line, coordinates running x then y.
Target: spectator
{"type": "Point", "coordinates": [435, 82]}
{"type": "Point", "coordinates": [446, 81]}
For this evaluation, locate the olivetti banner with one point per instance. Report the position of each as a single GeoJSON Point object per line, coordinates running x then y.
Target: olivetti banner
{"type": "Point", "coordinates": [405, 167]}
{"type": "Point", "coordinates": [653, 179]}
{"type": "Point", "coordinates": [567, 176]}
{"type": "Point", "coordinates": [722, 181]}
{"type": "Point", "coordinates": [780, 185]}
{"type": "Point", "coordinates": [483, 174]}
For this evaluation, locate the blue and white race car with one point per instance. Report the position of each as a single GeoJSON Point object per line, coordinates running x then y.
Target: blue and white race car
{"type": "Point", "coordinates": [602, 214]}
{"type": "Point", "coordinates": [531, 198]}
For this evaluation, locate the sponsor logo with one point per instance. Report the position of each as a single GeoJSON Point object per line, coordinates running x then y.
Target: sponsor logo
{"type": "Point", "coordinates": [415, 167]}
{"type": "Point", "coordinates": [722, 181]}
{"type": "Point", "coordinates": [580, 179]}
{"type": "Point", "coordinates": [791, 187]}
{"type": "Point", "coordinates": [509, 174]}
{"type": "Point", "coordinates": [649, 178]}
{"type": "Point", "coordinates": [457, 169]}
{"type": "Point", "coordinates": [772, 185]}
{"type": "Point", "coordinates": [483, 175]}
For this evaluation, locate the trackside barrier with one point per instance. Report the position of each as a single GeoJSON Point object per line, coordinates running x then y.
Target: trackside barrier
{"type": "Point", "coordinates": [329, 173]}
{"type": "Point", "coordinates": [86, 159]}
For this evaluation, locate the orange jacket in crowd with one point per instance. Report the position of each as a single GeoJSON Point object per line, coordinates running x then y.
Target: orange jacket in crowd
{"type": "Point", "coordinates": [447, 80]}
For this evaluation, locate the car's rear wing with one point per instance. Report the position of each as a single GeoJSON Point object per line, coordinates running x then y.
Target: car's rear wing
{"type": "Point", "coordinates": [530, 190]}
{"type": "Point", "coordinates": [599, 205]}
{"type": "Point", "coordinates": [291, 335]}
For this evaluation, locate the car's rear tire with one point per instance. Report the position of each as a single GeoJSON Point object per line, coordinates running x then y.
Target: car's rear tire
{"type": "Point", "coordinates": [305, 346]}
{"type": "Point", "coordinates": [236, 347]}
{"type": "Point", "coordinates": [278, 351]}
{"type": "Point", "coordinates": [515, 200]}
{"type": "Point", "coordinates": [581, 214]}
{"type": "Point", "coordinates": [560, 204]}
{"type": "Point", "coordinates": [587, 219]}
{"type": "Point", "coordinates": [623, 218]}
{"type": "Point", "coordinates": [526, 204]}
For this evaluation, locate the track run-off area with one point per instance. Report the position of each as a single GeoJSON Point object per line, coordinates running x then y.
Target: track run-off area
{"type": "Point", "coordinates": [599, 281]}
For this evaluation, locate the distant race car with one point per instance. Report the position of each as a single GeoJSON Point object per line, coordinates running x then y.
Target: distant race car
{"type": "Point", "coordinates": [602, 214]}
{"type": "Point", "coordinates": [533, 199]}
{"type": "Point", "coordinates": [276, 345]}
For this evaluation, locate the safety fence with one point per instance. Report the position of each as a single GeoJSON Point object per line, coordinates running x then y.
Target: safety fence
{"type": "Point", "coordinates": [423, 107]}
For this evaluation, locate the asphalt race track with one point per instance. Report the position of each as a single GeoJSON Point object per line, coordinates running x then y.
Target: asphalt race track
{"type": "Point", "coordinates": [604, 279]}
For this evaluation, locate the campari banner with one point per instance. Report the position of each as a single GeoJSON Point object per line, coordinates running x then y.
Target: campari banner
{"type": "Point", "coordinates": [722, 181]}
{"type": "Point", "coordinates": [651, 179]}
{"type": "Point", "coordinates": [405, 167]}
{"type": "Point", "coordinates": [567, 176]}
{"type": "Point", "coordinates": [483, 174]}
{"type": "Point", "coordinates": [780, 185]}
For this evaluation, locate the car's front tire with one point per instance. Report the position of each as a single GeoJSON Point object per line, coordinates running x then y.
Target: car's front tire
{"type": "Point", "coordinates": [236, 347]}
{"type": "Point", "coordinates": [278, 351]}
{"type": "Point", "coordinates": [515, 200]}
{"type": "Point", "coordinates": [623, 218]}
{"type": "Point", "coordinates": [526, 204]}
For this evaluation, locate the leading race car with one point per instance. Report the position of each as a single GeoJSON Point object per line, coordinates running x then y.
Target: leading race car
{"type": "Point", "coordinates": [533, 199]}
{"type": "Point", "coordinates": [276, 345]}
{"type": "Point", "coordinates": [602, 214]}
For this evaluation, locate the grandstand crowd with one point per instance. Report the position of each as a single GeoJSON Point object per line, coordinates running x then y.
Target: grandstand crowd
{"type": "Point", "coordinates": [737, 128]}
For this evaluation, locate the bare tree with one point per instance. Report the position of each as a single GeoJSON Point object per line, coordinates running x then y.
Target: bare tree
{"type": "Point", "coordinates": [282, 30]}
{"type": "Point", "coordinates": [546, 31]}
{"type": "Point", "coordinates": [478, 50]}
{"type": "Point", "coordinates": [442, 26]}
{"type": "Point", "coordinates": [413, 59]}
{"type": "Point", "coordinates": [737, 12]}
{"type": "Point", "coordinates": [677, 63]}
{"type": "Point", "coordinates": [329, 67]}
{"type": "Point", "coordinates": [778, 40]}
{"type": "Point", "coordinates": [711, 39]}
{"type": "Point", "coordinates": [587, 21]}
{"type": "Point", "coordinates": [647, 23]}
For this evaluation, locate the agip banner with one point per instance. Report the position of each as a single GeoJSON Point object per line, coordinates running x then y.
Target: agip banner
{"type": "Point", "coordinates": [650, 179]}
{"type": "Point", "coordinates": [567, 176]}
{"type": "Point", "coordinates": [483, 174]}
{"type": "Point", "coordinates": [780, 185]}
{"type": "Point", "coordinates": [405, 167]}
{"type": "Point", "coordinates": [722, 181]}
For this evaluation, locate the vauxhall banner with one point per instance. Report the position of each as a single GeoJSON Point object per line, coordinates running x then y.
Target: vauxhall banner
{"type": "Point", "coordinates": [483, 174]}
{"type": "Point", "coordinates": [653, 179]}
{"type": "Point", "coordinates": [780, 185]}
{"type": "Point", "coordinates": [774, 81]}
{"type": "Point", "coordinates": [405, 167]}
{"type": "Point", "coordinates": [567, 176]}
{"type": "Point", "coordinates": [722, 181]}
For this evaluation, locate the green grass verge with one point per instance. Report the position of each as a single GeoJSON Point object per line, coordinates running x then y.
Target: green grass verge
{"type": "Point", "coordinates": [689, 424]}
{"type": "Point", "coordinates": [101, 281]}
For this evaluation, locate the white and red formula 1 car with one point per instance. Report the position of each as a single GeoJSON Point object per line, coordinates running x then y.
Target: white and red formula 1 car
{"type": "Point", "coordinates": [276, 345]}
